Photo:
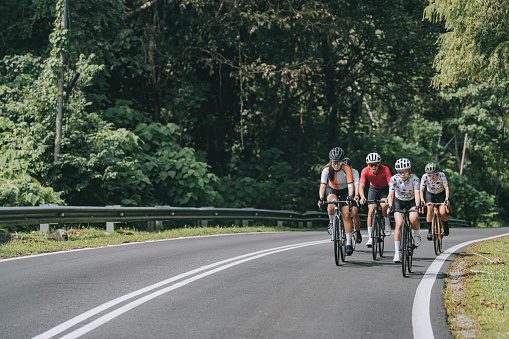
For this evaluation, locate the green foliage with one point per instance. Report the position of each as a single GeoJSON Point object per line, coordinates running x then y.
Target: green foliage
{"type": "Point", "coordinates": [237, 104]}
{"type": "Point", "coordinates": [475, 47]}
{"type": "Point", "coordinates": [176, 177]}
{"type": "Point", "coordinates": [17, 186]}
{"type": "Point", "coordinates": [469, 203]}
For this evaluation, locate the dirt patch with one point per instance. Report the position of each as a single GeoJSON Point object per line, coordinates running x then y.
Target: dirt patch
{"type": "Point", "coordinates": [7, 237]}
{"type": "Point", "coordinates": [455, 287]}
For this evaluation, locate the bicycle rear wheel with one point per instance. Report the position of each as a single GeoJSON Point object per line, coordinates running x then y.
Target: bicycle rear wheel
{"type": "Point", "coordinates": [375, 234]}
{"type": "Point", "coordinates": [336, 239]}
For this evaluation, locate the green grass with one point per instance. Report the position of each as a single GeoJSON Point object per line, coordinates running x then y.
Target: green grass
{"type": "Point", "coordinates": [477, 291]}
{"type": "Point", "coordinates": [30, 243]}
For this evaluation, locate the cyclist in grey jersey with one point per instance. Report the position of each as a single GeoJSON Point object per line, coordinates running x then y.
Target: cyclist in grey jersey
{"type": "Point", "coordinates": [437, 191]}
{"type": "Point", "coordinates": [404, 193]}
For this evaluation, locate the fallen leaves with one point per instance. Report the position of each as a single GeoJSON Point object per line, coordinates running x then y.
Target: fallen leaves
{"type": "Point", "coordinates": [491, 304]}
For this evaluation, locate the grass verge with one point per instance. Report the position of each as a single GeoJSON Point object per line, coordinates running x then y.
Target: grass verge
{"type": "Point", "coordinates": [476, 296]}
{"type": "Point", "coordinates": [29, 243]}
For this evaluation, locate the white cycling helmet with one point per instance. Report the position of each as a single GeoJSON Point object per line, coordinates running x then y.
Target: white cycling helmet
{"type": "Point", "coordinates": [430, 168]}
{"type": "Point", "coordinates": [402, 164]}
{"type": "Point", "coordinates": [373, 158]}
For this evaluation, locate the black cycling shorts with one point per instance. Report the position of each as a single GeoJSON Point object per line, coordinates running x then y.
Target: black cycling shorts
{"type": "Point", "coordinates": [341, 194]}
{"type": "Point", "coordinates": [436, 198]}
{"type": "Point", "coordinates": [377, 194]}
{"type": "Point", "coordinates": [399, 205]}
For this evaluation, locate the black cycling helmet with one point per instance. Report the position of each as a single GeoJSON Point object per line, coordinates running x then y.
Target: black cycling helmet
{"type": "Point", "coordinates": [347, 162]}
{"type": "Point", "coordinates": [430, 168]}
{"type": "Point", "coordinates": [336, 154]}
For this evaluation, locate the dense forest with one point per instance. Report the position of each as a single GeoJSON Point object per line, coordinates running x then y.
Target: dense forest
{"type": "Point", "coordinates": [236, 103]}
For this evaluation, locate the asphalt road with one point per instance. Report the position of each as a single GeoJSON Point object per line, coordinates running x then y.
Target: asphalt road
{"type": "Point", "coordinates": [257, 285]}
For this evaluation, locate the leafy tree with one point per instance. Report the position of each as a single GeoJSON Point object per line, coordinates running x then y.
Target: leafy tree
{"type": "Point", "coordinates": [475, 46]}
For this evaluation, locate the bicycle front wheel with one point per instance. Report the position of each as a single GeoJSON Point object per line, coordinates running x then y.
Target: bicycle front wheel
{"type": "Point", "coordinates": [336, 239]}
{"type": "Point", "coordinates": [342, 236]}
{"type": "Point", "coordinates": [375, 230]}
{"type": "Point", "coordinates": [404, 248]}
{"type": "Point", "coordinates": [440, 234]}
{"type": "Point", "coordinates": [381, 239]}
{"type": "Point", "coordinates": [436, 234]}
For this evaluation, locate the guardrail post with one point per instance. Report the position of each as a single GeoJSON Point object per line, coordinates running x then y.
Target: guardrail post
{"type": "Point", "coordinates": [279, 223]}
{"type": "Point", "coordinates": [110, 225]}
{"type": "Point", "coordinates": [309, 224]}
{"type": "Point", "coordinates": [245, 223]}
{"type": "Point", "coordinates": [44, 228]}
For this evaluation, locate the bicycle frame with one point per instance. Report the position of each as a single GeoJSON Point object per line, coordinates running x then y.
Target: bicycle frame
{"type": "Point", "coordinates": [378, 234]}
{"type": "Point", "coordinates": [338, 232]}
{"type": "Point", "coordinates": [437, 226]}
{"type": "Point", "coordinates": [407, 242]}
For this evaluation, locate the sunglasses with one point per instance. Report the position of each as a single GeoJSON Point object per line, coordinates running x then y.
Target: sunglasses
{"type": "Point", "coordinates": [337, 163]}
{"type": "Point", "coordinates": [403, 171]}
{"type": "Point", "coordinates": [432, 174]}
{"type": "Point", "coordinates": [374, 165]}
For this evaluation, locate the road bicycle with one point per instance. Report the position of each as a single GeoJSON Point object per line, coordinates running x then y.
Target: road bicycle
{"type": "Point", "coordinates": [437, 226]}
{"type": "Point", "coordinates": [377, 230]}
{"type": "Point", "coordinates": [407, 245]}
{"type": "Point", "coordinates": [338, 231]}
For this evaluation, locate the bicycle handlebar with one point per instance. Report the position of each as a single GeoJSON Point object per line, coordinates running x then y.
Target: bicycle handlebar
{"type": "Point", "coordinates": [335, 202]}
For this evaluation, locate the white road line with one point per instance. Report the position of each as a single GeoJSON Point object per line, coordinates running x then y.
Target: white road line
{"type": "Point", "coordinates": [421, 321]}
{"type": "Point", "coordinates": [113, 314]}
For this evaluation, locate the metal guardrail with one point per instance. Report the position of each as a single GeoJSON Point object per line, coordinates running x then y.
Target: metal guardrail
{"type": "Point", "coordinates": [53, 214]}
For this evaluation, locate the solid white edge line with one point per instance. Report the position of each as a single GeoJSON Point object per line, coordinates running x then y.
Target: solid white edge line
{"type": "Point", "coordinates": [84, 316]}
{"type": "Point", "coordinates": [421, 320]}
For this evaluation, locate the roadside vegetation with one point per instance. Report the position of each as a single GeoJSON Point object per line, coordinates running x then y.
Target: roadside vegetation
{"type": "Point", "coordinates": [33, 242]}
{"type": "Point", "coordinates": [476, 295]}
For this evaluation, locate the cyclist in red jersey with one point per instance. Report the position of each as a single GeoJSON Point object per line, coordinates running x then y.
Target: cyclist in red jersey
{"type": "Point", "coordinates": [379, 177]}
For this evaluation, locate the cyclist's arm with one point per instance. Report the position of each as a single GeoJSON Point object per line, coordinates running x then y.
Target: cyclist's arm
{"type": "Point", "coordinates": [390, 197]}
{"type": "Point", "coordinates": [361, 192]}
{"type": "Point", "coordinates": [321, 191]}
{"type": "Point", "coordinates": [417, 198]}
{"type": "Point", "coordinates": [422, 193]}
{"type": "Point", "coordinates": [446, 187]}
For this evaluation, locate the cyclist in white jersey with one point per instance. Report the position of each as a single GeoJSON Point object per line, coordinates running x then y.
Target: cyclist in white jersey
{"type": "Point", "coordinates": [437, 191]}
{"type": "Point", "coordinates": [355, 204]}
{"type": "Point", "coordinates": [404, 193]}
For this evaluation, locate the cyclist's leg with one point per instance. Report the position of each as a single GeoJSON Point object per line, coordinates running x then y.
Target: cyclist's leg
{"type": "Point", "coordinates": [331, 195]}
{"type": "Point", "coordinates": [347, 221]}
{"type": "Point", "coordinates": [443, 214]}
{"type": "Point", "coordinates": [371, 208]}
{"type": "Point", "coordinates": [384, 192]}
{"type": "Point", "coordinates": [357, 222]}
{"type": "Point", "coordinates": [429, 214]}
{"type": "Point", "coordinates": [398, 218]}
{"type": "Point", "coordinates": [416, 225]}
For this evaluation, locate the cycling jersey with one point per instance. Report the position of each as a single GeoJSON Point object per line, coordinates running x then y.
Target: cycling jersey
{"type": "Point", "coordinates": [379, 179]}
{"type": "Point", "coordinates": [434, 186]}
{"type": "Point", "coordinates": [404, 189]}
{"type": "Point", "coordinates": [355, 175]}
{"type": "Point", "coordinates": [342, 178]}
